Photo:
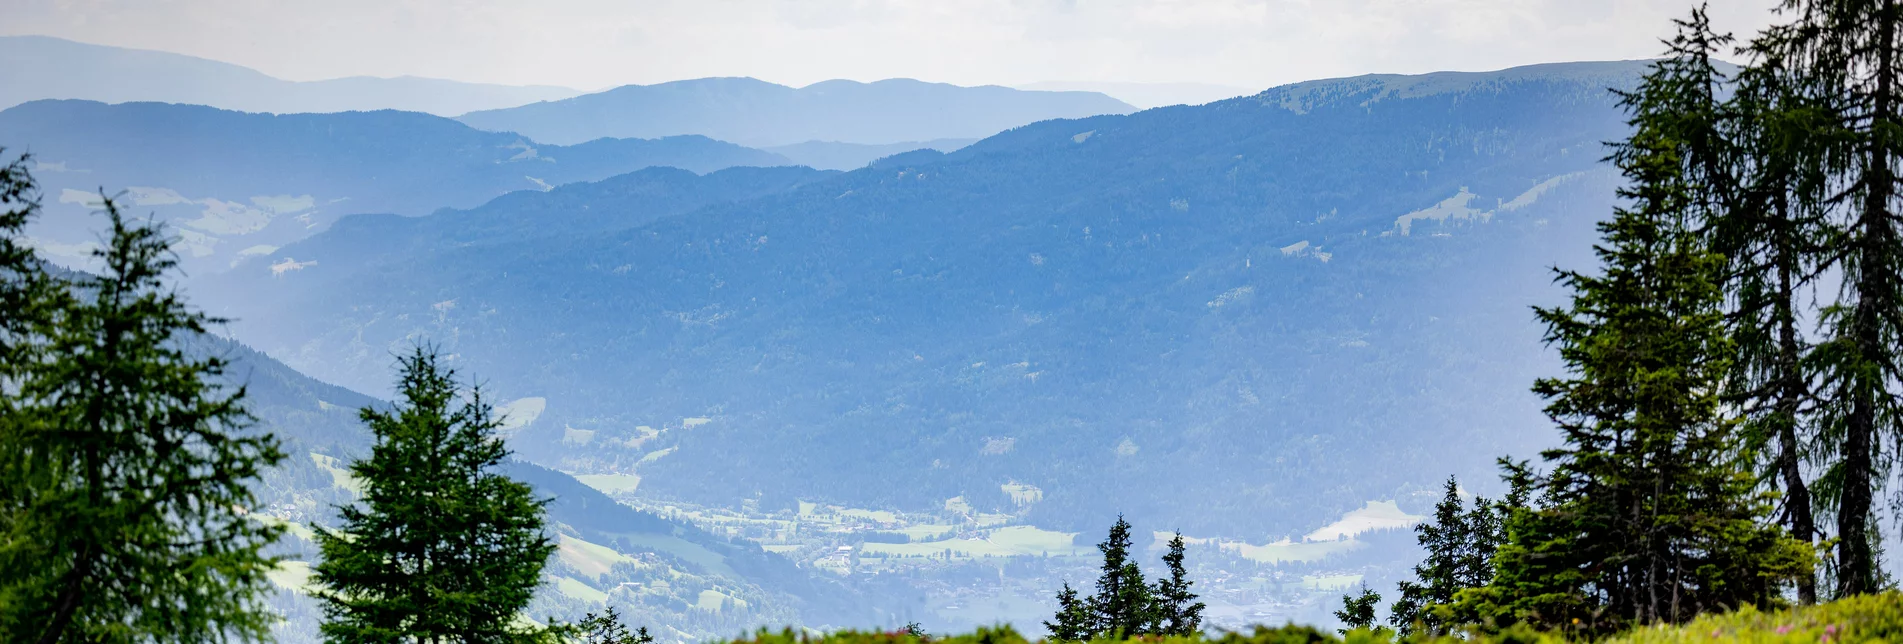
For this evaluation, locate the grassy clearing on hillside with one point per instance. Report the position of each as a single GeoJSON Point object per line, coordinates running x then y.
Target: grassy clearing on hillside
{"type": "Point", "coordinates": [1286, 551]}
{"type": "Point", "coordinates": [339, 472]}
{"type": "Point", "coordinates": [589, 558]}
{"type": "Point", "coordinates": [611, 484]}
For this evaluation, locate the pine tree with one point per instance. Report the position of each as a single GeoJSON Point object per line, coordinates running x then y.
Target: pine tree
{"type": "Point", "coordinates": [124, 468]}
{"type": "Point", "coordinates": [1840, 62]}
{"type": "Point", "coordinates": [1447, 540]}
{"type": "Point", "coordinates": [1648, 514]}
{"type": "Point", "coordinates": [607, 628]}
{"type": "Point", "coordinates": [1073, 620]}
{"type": "Point", "coordinates": [443, 548]}
{"type": "Point", "coordinates": [1357, 611]}
{"type": "Point", "coordinates": [1177, 612]}
{"type": "Point", "coordinates": [1123, 606]}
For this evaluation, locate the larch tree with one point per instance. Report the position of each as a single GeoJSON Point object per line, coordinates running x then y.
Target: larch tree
{"type": "Point", "coordinates": [1839, 64]}
{"type": "Point", "coordinates": [125, 465]}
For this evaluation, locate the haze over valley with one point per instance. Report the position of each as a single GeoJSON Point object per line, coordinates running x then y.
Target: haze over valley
{"type": "Point", "coordinates": [879, 352]}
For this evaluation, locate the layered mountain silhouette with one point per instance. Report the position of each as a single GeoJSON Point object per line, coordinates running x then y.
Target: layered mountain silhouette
{"type": "Point", "coordinates": [1217, 318]}
{"type": "Point", "coordinates": [829, 155]}
{"type": "Point", "coordinates": [42, 67]}
{"type": "Point", "coordinates": [236, 184]}
{"type": "Point", "coordinates": [758, 113]}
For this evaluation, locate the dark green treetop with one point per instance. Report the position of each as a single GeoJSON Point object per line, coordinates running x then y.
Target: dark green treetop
{"type": "Point", "coordinates": [1177, 612]}
{"type": "Point", "coordinates": [1357, 611]}
{"type": "Point", "coordinates": [442, 547]}
{"type": "Point", "coordinates": [1073, 622]}
{"type": "Point", "coordinates": [1123, 603]}
{"type": "Point", "coordinates": [607, 628]}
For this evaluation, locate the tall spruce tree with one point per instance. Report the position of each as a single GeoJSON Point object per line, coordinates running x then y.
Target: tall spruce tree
{"type": "Point", "coordinates": [1177, 612]}
{"type": "Point", "coordinates": [1447, 538]}
{"type": "Point", "coordinates": [124, 467]}
{"type": "Point", "coordinates": [1648, 515]}
{"type": "Point", "coordinates": [1461, 546]}
{"type": "Point", "coordinates": [443, 547]}
{"type": "Point", "coordinates": [1123, 605]}
{"type": "Point", "coordinates": [1839, 64]}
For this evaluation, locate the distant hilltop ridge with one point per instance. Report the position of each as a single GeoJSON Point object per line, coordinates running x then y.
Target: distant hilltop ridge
{"type": "Point", "coordinates": [758, 113]}
{"type": "Point", "coordinates": [43, 67]}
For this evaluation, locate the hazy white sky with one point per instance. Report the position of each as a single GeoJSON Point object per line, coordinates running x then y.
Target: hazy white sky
{"type": "Point", "coordinates": [590, 44]}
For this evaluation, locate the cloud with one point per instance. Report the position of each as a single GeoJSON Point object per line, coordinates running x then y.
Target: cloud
{"type": "Point", "coordinates": [597, 43]}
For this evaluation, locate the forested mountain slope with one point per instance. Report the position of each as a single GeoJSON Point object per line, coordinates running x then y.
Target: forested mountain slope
{"type": "Point", "coordinates": [321, 434]}
{"type": "Point", "coordinates": [1217, 318]}
{"type": "Point", "coordinates": [235, 184]}
{"type": "Point", "coordinates": [759, 113]}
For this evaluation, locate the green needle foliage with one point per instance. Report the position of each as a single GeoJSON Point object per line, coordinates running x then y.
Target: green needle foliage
{"type": "Point", "coordinates": [1177, 612]}
{"type": "Point", "coordinates": [442, 548]}
{"type": "Point", "coordinates": [1125, 606]}
{"type": "Point", "coordinates": [606, 628]}
{"type": "Point", "coordinates": [1357, 611]}
{"type": "Point", "coordinates": [123, 468]}
{"type": "Point", "coordinates": [1073, 622]}
{"type": "Point", "coordinates": [1648, 514]}
{"type": "Point", "coordinates": [1841, 62]}
{"type": "Point", "coordinates": [1460, 545]}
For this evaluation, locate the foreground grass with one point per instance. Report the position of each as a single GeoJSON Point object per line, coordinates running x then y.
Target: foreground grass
{"type": "Point", "coordinates": [1874, 618]}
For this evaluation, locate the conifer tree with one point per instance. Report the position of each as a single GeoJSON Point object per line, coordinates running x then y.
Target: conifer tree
{"type": "Point", "coordinates": [1177, 612]}
{"type": "Point", "coordinates": [1648, 515]}
{"type": "Point", "coordinates": [124, 467]}
{"type": "Point", "coordinates": [27, 293]}
{"type": "Point", "coordinates": [1074, 622]}
{"type": "Point", "coordinates": [1123, 605]}
{"type": "Point", "coordinates": [443, 547]}
{"type": "Point", "coordinates": [1357, 611]}
{"type": "Point", "coordinates": [1840, 64]}
{"type": "Point", "coordinates": [1447, 540]}
{"type": "Point", "coordinates": [607, 628]}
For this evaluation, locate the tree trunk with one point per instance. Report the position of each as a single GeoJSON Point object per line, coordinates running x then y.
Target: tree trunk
{"type": "Point", "coordinates": [1856, 565]}
{"type": "Point", "coordinates": [1797, 500]}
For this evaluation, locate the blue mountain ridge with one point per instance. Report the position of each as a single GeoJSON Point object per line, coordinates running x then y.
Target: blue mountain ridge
{"type": "Point", "coordinates": [1218, 318]}
{"type": "Point", "coordinates": [233, 184]}
{"type": "Point", "coordinates": [758, 113]}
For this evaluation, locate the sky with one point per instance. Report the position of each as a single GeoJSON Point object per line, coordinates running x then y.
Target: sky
{"type": "Point", "coordinates": [594, 44]}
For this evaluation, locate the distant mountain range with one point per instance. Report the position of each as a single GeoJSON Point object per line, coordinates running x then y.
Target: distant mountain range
{"type": "Point", "coordinates": [1147, 95]}
{"type": "Point", "coordinates": [235, 184]}
{"type": "Point", "coordinates": [1215, 318]}
{"type": "Point", "coordinates": [761, 114]}
{"type": "Point", "coordinates": [42, 67]}
{"type": "Point", "coordinates": [828, 155]}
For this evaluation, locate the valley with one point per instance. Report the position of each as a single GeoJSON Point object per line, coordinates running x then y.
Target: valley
{"type": "Point", "coordinates": [891, 353]}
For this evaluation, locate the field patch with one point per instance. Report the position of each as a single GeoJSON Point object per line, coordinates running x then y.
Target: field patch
{"type": "Point", "coordinates": [611, 484]}
{"type": "Point", "coordinates": [589, 558]}
{"type": "Point", "coordinates": [1286, 551]}
{"type": "Point", "coordinates": [1376, 515]}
